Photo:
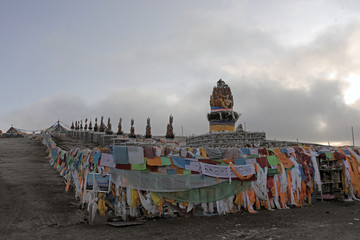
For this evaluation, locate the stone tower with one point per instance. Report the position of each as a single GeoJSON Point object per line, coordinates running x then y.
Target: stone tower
{"type": "Point", "coordinates": [221, 116]}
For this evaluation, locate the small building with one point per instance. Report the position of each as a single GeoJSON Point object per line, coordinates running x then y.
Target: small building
{"type": "Point", "coordinates": [58, 129]}
{"type": "Point", "coordinates": [13, 133]}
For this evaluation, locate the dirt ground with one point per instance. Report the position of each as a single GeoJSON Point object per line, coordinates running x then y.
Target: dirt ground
{"type": "Point", "coordinates": [34, 205]}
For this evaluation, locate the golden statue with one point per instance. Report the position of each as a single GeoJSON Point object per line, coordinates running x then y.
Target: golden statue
{"type": "Point", "coordinates": [221, 96]}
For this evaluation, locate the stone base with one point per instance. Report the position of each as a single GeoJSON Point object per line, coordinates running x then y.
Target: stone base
{"type": "Point", "coordinates": [90, 136]}
{"type": "Point", "coordinates": [69, 133]}
{"type": "Point", "coordinates": [107, 140]}
{"type": "Point", "coordinates": [85, 136]}
{"type": "Point", "coordinates": [96, 137]}
{"type": "Point", "coordinates": [222, 126]}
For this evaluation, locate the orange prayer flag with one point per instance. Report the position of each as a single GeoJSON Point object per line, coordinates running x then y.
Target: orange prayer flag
{"type": "Point", "coordinates": [156, 161]}
{"type": "Point", "coordinates": [67, 186]}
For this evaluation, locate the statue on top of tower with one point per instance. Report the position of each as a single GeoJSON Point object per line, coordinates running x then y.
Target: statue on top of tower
{"type": "Point", "coordinates": [221, 96]}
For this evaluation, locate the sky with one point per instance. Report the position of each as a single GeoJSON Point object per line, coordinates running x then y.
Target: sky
{"type": "Point", "coordinates": [293, 66]}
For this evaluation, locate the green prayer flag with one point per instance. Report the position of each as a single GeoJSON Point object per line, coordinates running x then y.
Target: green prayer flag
{"type": "Point", "coordinates": [141, 166]}
{"type": "Point", "coordinates": [273, 160]}
{"type": "Point", "coordinates": [165, 161]}
{"type": "Point", "coordinates": [252, 156]}
{"type": "Point", "coordinates": [329, 155]}
{"type": "Point", "coordinates": [272, 172]}
{"type": "Point", "coordinates": [208, 194]}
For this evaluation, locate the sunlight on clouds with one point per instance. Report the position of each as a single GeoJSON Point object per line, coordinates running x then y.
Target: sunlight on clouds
{"type": "Point", "coordinates": [352, 92]}
{"type": "Point", "coordinates": [322, 125]}
{"type": "Point", "coordinates": [344, 143]}
{"type": "Point", "coordinates": [353, 48]}
{"type": "Point", "coordinates": [333, 75]}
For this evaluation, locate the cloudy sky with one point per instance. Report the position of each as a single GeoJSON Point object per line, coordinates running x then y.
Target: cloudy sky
{"type": "Point", "coordinates": [293, 66]}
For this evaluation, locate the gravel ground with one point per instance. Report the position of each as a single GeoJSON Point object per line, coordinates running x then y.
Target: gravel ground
{"type": "Point", "coordinates": [34, 205]}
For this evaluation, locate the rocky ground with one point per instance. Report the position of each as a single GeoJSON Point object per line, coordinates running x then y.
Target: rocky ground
{"type": "Point", "coordinates": [34, 205]}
